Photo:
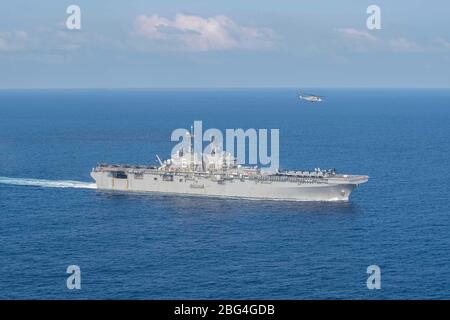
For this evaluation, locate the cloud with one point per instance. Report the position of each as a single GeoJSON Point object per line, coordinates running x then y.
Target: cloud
{"type": "Point", "coordinates": [13, 40]}
{"type": "Point", "coordinates": [195, 33]}
{"type": "Point", "coordinates": [442, 43]}
{"type": "Point", "coordinates": [404, 45]}
{"type": "Point", "coordinates": [357, 34]}
{"type": "Point", "coordinates": [364, 41]}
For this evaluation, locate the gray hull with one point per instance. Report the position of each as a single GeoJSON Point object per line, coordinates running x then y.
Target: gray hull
{"type": "Point", "coordinates": [333, 189]}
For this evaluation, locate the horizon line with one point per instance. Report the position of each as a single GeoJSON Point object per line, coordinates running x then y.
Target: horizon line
{"type": "Point", "coordinates": [225, 88]}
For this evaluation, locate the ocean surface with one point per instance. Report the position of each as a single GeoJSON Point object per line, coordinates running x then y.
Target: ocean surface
{"type": "Point", "coordinates": [161, 247]}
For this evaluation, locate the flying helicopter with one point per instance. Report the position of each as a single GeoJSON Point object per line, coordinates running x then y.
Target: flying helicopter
{"type": "Point", "coordinates": [310, 97]}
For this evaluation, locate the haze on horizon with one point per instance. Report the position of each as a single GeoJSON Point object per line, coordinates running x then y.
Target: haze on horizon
{"type": "Point", "coordinates": [204, 44]}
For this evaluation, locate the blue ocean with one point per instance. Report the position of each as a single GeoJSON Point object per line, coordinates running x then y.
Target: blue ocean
{"type": "Point", "coordinates": [131, 246]}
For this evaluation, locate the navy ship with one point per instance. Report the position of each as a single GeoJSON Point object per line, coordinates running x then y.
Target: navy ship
{"type": "Point", "coordinates": [217, 175]}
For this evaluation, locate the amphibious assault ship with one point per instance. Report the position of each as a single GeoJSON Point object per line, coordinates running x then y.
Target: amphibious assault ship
{"type": "Point", "coordinates": [217, 175]}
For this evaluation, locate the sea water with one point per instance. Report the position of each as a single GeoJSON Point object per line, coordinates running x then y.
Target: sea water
{"type": "Point", "coordinates": [157, 246]}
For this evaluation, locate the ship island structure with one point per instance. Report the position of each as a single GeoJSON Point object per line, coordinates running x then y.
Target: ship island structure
{"type": "Point", "coordinates": [218, 175]}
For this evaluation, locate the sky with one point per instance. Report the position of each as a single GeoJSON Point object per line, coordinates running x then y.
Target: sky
{"type": "Point", "coordinates": [228, 43]}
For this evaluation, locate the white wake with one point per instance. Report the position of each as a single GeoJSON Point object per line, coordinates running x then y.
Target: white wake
{"type": "Point", "coordinates": [48, 183]}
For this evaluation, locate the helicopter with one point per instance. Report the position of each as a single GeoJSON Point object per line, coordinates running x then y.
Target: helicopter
{"type": "Point", "coordinates": [310, 97]}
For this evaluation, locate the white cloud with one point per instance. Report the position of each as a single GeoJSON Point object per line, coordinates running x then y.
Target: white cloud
{"type": "Point", "coordinates": [357, 34]}
{"type": "Point", "coordinates": [196, 33]}
{"type": "Point", "coordinates": [442, 43]}
{"type": "Point", "coordinates": [13, 40]}
{"type": "Point", "coordinates": [404, 45]}
{"type": "Point", "coordinates": [363, 41]}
